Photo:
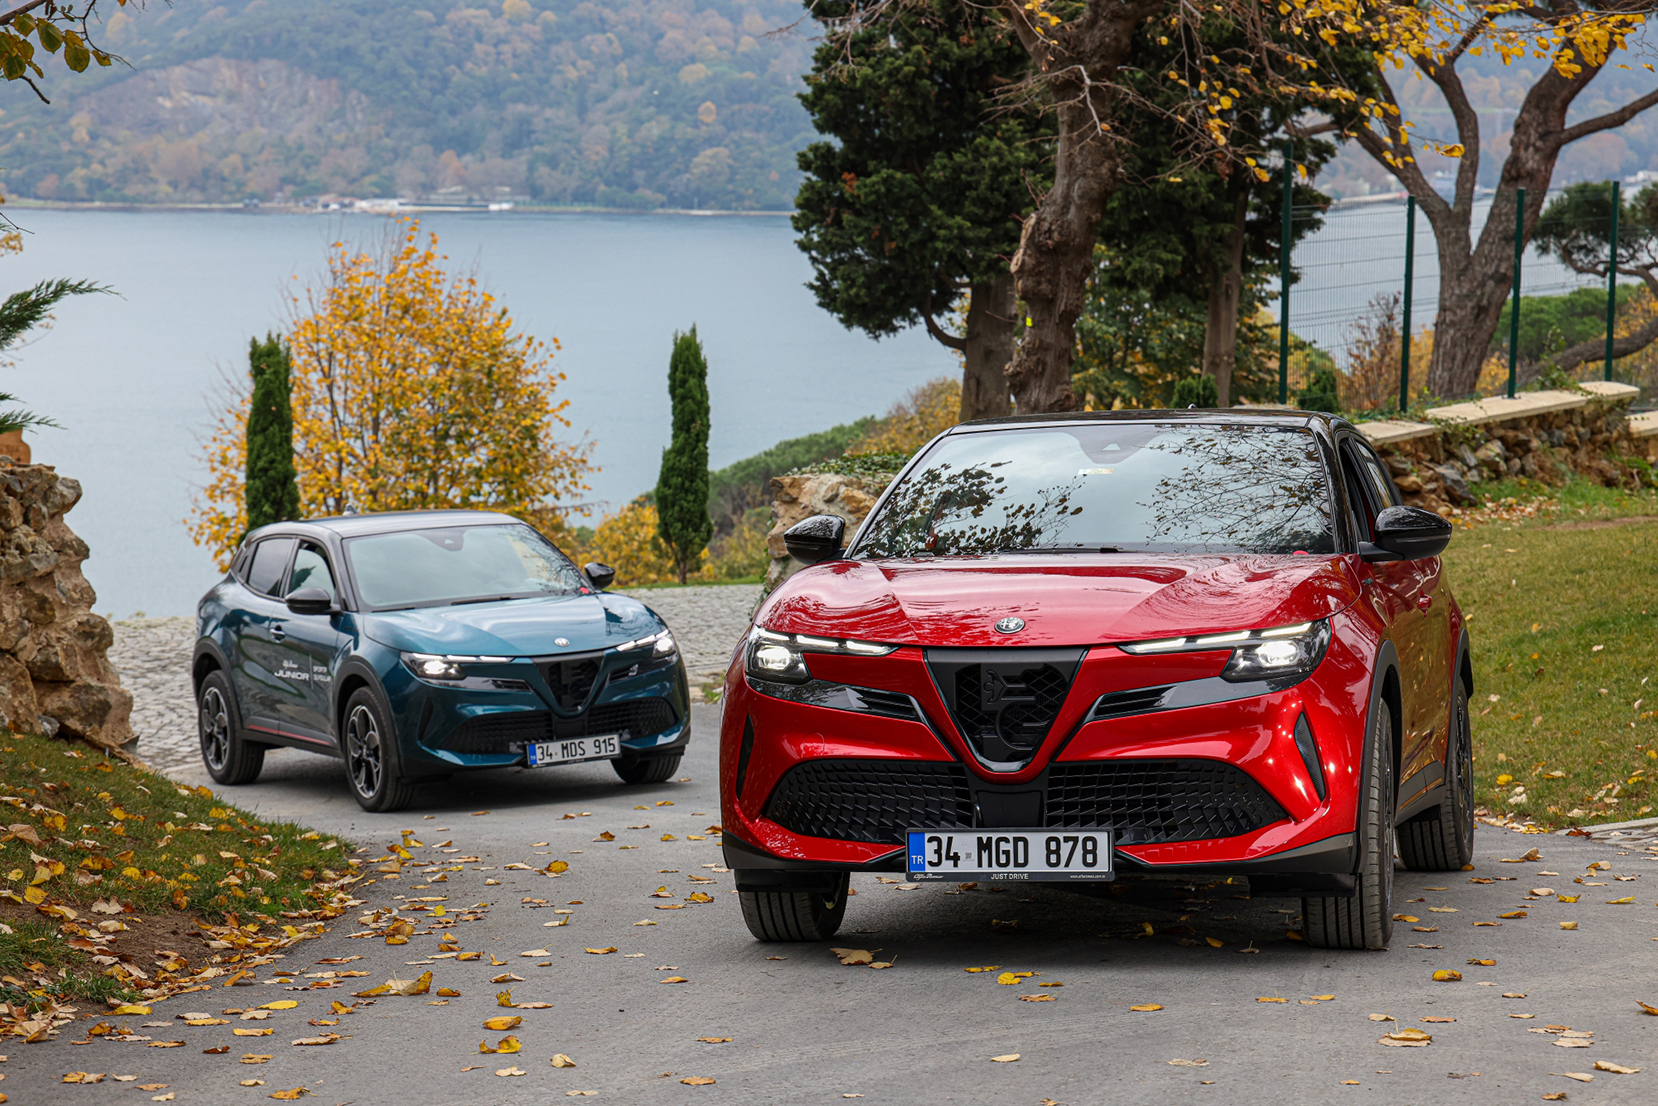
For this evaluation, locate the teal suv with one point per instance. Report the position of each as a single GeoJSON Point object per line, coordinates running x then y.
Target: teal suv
{"type": "Point", "coordinates": [413, 645]}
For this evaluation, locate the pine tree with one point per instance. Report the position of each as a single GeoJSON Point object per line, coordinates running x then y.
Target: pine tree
{"type": "Point", "coordinates": [682, 486]}
{"type": "Point", "coordinates": [271, 489]}
{"type": "Point", "coordinates": [919, 196]}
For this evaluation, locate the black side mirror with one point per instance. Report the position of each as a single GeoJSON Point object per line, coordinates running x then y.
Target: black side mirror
{"type": "Point", "coordinates": [310, 601]}
{"type": "Point", "coordinates": [601, 576]}
{"type": "Point", "coordinates": [1407, 534]}
{"type": "Point", "coordinates": [816, 539]}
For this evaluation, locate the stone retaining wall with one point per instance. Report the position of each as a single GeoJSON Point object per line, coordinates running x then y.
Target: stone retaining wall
{"type": "Point", "coordinates": [1543, 436]}
{"type": "Point", "coordinates": [55, 675]}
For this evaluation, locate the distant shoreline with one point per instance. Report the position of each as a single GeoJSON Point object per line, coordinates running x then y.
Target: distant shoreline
{"type": "Point", "coordinates": [21, 203]}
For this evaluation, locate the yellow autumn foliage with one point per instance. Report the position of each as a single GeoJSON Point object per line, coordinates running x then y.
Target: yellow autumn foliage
{"type": "Point", "coordinates": [411, 391]}
{"type": "Point", "coordinates": [627, 541]}
{"type": "Point", "coordinates": [928, 411]}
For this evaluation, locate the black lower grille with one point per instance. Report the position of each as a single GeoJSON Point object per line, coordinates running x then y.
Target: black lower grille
{"type": "Point", "coordinates": [510, 731]}
{"type": "Point", "coordinates": [870, 800]}
{"type": "Point", "coordinates": [1144, 801]}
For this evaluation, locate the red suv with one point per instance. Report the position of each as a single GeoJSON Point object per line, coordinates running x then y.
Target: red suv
{"type": "Point", "coordinates": [1201, 643]}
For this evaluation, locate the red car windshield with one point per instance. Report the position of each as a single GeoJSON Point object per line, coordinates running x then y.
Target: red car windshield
{"type": "Point", "coordinates": [1126, 487]}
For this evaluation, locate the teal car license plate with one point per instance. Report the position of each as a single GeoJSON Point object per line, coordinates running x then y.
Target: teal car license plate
{"type": "Point", "coordinates": [604, 747]}
{"type": "Point", "coordinates": [1009, 854]}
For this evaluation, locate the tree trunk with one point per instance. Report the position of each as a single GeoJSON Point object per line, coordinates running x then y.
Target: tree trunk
{"type": "Point", "coordinates": [1056, 248]}
{"type": "Point", "coordinates": [1475, 279]}
{"type": "Point", "coordinates": [989, 348]}
{"type": "Point", "coordinates": [1220, 334]}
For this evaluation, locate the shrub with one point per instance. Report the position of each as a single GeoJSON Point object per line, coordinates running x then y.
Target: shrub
{"type": "Point", "coordinates": [1195, 391]}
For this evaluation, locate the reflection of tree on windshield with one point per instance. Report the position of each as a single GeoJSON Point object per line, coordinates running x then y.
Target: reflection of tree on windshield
{"type": "Point", "coordinates": [937, 511]}
{"type": "Point", "coordinates": [1174, 489]}
{"type": "Point", "coordinates": [1222, 498]}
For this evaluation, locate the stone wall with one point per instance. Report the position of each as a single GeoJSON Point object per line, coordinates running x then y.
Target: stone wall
{"type": "Point", "coordinates": [55, 675]}
{"type": "Point", "coordinates": [1548, 437]}
{"type": "Point", "coordinates": [821, 493]}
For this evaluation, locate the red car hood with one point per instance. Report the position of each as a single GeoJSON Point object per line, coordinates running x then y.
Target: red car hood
{"type": "Point", "coordinates": [1065, 599]}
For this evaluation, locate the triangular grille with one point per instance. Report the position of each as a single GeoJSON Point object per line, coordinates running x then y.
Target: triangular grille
{"type": "Point", "coordinates": [1004, 701]}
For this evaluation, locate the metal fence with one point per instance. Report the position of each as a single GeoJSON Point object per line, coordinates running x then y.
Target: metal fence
{"type": "Point", "coordinates": [1365, 291]}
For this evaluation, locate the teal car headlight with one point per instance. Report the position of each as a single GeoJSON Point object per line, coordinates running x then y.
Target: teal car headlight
{"type": "Point", "coordinates": [437, 668]}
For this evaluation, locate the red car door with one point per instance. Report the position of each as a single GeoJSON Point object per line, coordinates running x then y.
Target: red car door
{"type": "Point", "coordinates": [1407, 595]}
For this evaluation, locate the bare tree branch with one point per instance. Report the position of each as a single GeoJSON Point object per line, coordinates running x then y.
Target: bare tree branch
{"type": "Point", "coordinates": [1607, 121]}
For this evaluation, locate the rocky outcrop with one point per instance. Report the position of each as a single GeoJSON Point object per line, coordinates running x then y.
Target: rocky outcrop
{"type": "Point", "coordinates": [803, 495]}
{"type": "Point", "coordinates": [55, 675]}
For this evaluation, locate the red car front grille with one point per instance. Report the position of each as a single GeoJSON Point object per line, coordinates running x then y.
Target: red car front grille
{"type": "Point", "coordinates": [1004, 701]}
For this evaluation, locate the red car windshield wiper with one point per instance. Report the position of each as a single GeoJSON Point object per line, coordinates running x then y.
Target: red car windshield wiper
{"type": "Point", "coordinates": [1059, 549]}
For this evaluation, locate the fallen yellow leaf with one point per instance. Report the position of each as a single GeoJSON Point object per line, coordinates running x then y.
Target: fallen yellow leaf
{"type": "Point", "coordinates": [1447, 975]}
{"type": "Point", "coordinates": [560, 1060]}
{"type": "Point", "coordinates": [1607, 1065]}
{"type": "Point", "coordinates": [852, 957]}
{"type": "Point", "coordinates": [1008, 1059]}
{"type": "Point", "coordinates": [1274, 999]}
{"type": "Point", "coordinates": [253, 1032]}
{"type": "Point", "coordinates": [1568, 925]}
{"type": "Point", "coordinates": [1146, 1007]}
{"type": "Point", "coordinates": [601, 952]}
{"type": "Point", "coordinates": [697, 1081]}
{"type": "Point", "coordinates": [506, 1045]}
{"type": "Point", "coordinates": [1408, 1037]}
{"type": "Point", "coordinates": [502, 1024]}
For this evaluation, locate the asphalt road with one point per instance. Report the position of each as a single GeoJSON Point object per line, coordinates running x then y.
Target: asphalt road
{"type": "Point", "coordinates": [804, 1028]}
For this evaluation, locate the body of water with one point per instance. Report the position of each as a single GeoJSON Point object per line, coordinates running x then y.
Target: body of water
{"type": "Point", "coordinates": [131, 378]}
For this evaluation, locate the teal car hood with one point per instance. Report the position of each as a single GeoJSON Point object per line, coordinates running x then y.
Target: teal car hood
{"type": "Point", "coordinates": [516, 628]}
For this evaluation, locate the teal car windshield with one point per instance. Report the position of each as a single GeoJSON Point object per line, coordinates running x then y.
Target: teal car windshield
{"type": "Point", "coordinates": [449, 565]}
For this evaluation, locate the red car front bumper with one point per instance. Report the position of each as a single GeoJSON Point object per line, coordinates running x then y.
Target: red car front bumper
{"type": "Point", "coordinates": [1217, 787]}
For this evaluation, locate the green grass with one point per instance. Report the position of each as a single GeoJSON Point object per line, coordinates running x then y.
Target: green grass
{"type": "Point", "coordinates": [85, 828]}
{"type": "Point", "coordinates": [1561, 610]}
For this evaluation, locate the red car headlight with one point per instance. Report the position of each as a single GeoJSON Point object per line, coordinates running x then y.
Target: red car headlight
{"type": "Point", "coordinates": [1280, 653]}
{"type": "Point", "coordinates": [782, 657]}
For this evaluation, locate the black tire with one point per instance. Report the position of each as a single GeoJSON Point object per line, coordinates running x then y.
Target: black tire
{"type": "Point", "coordinates": [1364, 921]}
{"type": "Point", "coordinates": [229, 757]}
{"type": "Point", "coordinates": [369, 745]}
{"type": "Point", "coordinates": [1442, 839]}
{"type": "Point", "coordinates": [646, 769]}
{"type": "Point", "coordinates": [791, 915]}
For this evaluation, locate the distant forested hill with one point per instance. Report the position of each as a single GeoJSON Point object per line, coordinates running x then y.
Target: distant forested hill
{"type": "Point", "coordinates": [633, 103]}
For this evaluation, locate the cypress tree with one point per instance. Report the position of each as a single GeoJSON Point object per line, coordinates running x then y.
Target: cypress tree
{"type": "Point", "coordinates": [682, 486]}
{"type": "Point", "coordinates": [271, 489]}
